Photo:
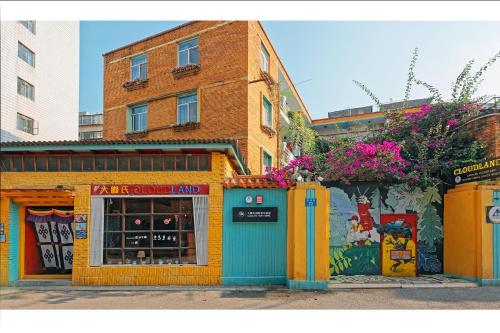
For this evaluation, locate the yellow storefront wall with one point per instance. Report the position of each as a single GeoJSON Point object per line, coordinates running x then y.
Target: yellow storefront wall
{"type": "Point", "coordinates": [80, 182]}
{"type": "Point", "coordinates": [468, 239]}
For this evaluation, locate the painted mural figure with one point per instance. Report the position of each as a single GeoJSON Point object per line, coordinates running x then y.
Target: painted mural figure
{"type": "Point", "coordinates": [399, 238]}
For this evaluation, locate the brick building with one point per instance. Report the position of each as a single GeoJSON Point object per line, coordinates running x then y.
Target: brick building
{"type": "Point", "coordinates": [201, 80]}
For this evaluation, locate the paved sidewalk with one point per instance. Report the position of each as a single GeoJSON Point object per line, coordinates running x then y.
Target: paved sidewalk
{"type": "Point", "coordinates": [252, 298]}
{"type": "Point", "coordinates": [378, 281]}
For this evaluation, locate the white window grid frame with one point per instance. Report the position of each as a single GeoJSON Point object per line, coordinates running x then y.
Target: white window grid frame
{"type": "Point", "coordinates": [30, 25]}
{"type": "Point", "coordinates": [264, 58]}
{"type": "Point", "coordinates": [24, 50]}
{"type": "Point", "coordinates": [266, 101]}
{"type": "Point", "coordinates": [139, 116]}
{"type": "Point", "coordinates": [23, 124]}
{"type": "Point", "coordinates": [145, 55]}
{"type": "Point", "coordinates": [27, 87]}
{"type": "Point", "coordinates": [187, 105]}
{"type": "Point", "coordinates": [187, 50]}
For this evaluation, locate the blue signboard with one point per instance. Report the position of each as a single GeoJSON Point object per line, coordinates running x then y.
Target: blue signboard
{"type": "Point", "coordinates": [310, 202]}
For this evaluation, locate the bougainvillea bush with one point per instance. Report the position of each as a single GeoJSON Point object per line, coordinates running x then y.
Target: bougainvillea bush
{"type": "Point", "coordinates": [366, 161]}
{"type": "Point", "coordinates": [300, 168]}
{"type": "Point", "coordinates": [434, 140]}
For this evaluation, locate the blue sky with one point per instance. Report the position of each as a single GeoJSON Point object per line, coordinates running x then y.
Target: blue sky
{"type": "Point", "coordinates": [328, 55]}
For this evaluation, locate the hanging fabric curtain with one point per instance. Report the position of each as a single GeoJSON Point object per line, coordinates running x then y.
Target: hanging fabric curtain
{"type": "Point", "coordinates": [200, 215]}
{"type": "Point", "coordinates": [96, 231]}
{"type": "Point", "coordinates": [54, 234]}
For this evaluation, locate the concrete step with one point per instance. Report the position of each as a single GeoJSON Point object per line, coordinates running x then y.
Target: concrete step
{"type": "Point", "coordinates": [41, 283]}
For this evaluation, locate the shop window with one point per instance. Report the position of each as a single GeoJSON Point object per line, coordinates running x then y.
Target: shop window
{"type": "Point", "coordinates": [17, 163]}
{"type": "Point", "coordinates": [100, 164]}
{"type": "Point", "coordinates": [180, 163]}
{"type": "Point", "coordinates": [63, 163]}
{"type": "Point", "coordinates": [111, 163]}
{"type": "Point", "coordinates": [157, 163]}
{"type": "Point", "coordinates": [142, 231]}
{"type": "Point", "coordinates": [146, 163]}
{"type": "Point", "coordinates": [29, 163]}
{"type": "Point", "coordinates": [41, 163]}
{"type": "Point", "coordinates": [204, 163]}
{"type": "Point", "coordinates": [53, 164]}
{"type": "Point", "coordinates": [169, 163]}
{"type": "Point", "coordinates": [79, 163]}
{"type": "Point", "coordinates": [76, 164]}
{"type": "Point", "coordinates": [135, 164]}
{"type": "Point", "coordinates": [5, 161]}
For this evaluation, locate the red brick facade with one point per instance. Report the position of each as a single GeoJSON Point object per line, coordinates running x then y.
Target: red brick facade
{"type": "Point", "coordinates": [228, 83]}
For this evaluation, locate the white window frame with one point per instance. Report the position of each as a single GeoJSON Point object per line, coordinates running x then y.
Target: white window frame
{"type": "Point", "coordinates": [23, 123]}
{"type": "Point", "coordinates": [264, 58]}
{"type": "Point", "coordinates": [25, 54]}
{"type": "Point", "coordinates": [188, 53]}
{"type": "Point", "coordinates": [265, 101]}
{"type": "Point", "coordinates": [138, 115]}
{"type": "Point", "coordinates": [139, 66]}
{"type": "Point", "coordinates": [30, 25]}
{"type": "Point", "coordinates": [187, 105]}
{"type": "Point", "coordinates": [27, 87]}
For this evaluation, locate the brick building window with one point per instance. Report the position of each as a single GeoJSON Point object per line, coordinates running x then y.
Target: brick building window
{"type": "Point", "coordinates": [139, 67]}
{"type": "Point", "coordinates": [264, 59]}
{"type": "Point", "coordinates": [26, 89]}
{"type": "Point", "coordinates": [30, 25]}
{"type": "Point", "coordinates": [267, 112]}
{"type": "Point", "coordinates": [267, 161]}
{"type": "Point", "coordinates": [138, 118]}
{"type": "Point", "coordinates": [187, 109]}
{"type": "Point", "coordinates": [188, 52]}
{"type": "Point", "coordinates": [25, 54]}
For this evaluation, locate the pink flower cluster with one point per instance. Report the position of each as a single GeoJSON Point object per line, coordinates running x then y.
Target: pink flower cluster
{"type": "Point", "coordinates": [417, 116]}
{"type": "Point", "coordinates": [365, 161]}
{"type": "Point", "coordinates": [283, 176]}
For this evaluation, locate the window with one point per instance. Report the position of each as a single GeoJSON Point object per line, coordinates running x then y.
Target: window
{"type": "Point", "coordinates": [188, 52]}
{"type": "Point", "coordinates": [267, 161]}
{"type": "Point", "coordinates": [30, 25]}
{"type": "Point", "coordinates": [25, 89]}
{"type": "Point", "coordinates": [138, 118]}
{"type": "Point", "coordinates": [139, 67]}
{"type": "Point", "coordinates": [25, 124]}
{"type": "Point", "coordinates": [90, 119]}
{"type": "Point", "coordinates": [85, 162]}
{"type": "Point", "coordinates": [142, 231]}
{"type": "Point", "coordinates": [267, 112]}
{"type": "Point", "coordinates": [26, 54]}
{"type": "Point", "coordinates": [264, 59]}
{"type": "Point", "coordinates": [187, 109]}
{"type": "Point", "coordinates": [90, 135]}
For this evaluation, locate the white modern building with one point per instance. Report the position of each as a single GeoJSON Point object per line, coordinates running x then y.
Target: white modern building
{"type": "Point", "coordinates": [39, 80]}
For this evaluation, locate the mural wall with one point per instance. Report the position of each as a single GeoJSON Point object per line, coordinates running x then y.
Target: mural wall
{"type": "Point", "coordinates": [355, 225]}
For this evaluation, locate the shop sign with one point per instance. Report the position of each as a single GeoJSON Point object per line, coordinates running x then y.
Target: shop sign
{"type": "Point", "coordinates": [150, 189]}
{"type": "Point", "coordinates": [81, 226]}
{"type": "Point", "coordinates": [259, 199]}
{"type": "Point", "coordinates": [488, 169]}
{"type": "Point", "coordinates": [255, 214]}
{"type": "Point", "coordinates": [493, 214]}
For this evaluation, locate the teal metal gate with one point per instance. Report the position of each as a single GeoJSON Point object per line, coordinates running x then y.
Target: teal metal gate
{"type": "Point", "coordinates": [254, 253]}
